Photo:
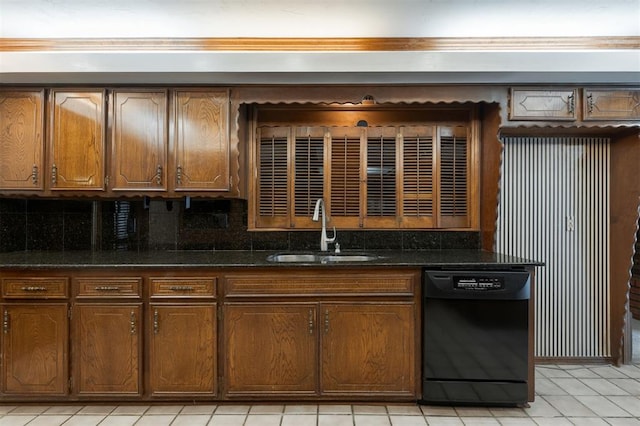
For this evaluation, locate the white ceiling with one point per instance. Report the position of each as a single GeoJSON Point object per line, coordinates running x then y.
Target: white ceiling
{"type": "Point", "coordinates": [320, 18]}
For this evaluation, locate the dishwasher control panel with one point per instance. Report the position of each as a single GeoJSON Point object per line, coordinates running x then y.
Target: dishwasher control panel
{"type": "Point", "coordinates": [478, 283]}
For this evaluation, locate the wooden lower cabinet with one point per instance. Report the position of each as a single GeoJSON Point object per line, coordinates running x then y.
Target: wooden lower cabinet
{"type": "Point", "coordinates": [34, 349]}
{"type": "Point", "coordinates": [271, 348]}
{"type": "Point", "coordinates": [107, 349]}
{"type": "Point", "coordinates": [367, 348]}
{"type": "Point", "coordinates": [182, 349]}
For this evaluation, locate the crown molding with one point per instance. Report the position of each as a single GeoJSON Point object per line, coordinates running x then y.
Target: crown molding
{"type": "Point", "coordinates": [321, 44]}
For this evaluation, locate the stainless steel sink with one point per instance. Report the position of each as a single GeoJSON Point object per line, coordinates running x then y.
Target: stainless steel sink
{"type": "Point", "coordinates": [321, 257]}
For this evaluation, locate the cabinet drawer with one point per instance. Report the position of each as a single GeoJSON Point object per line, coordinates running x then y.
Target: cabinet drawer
{"type": "Point", "coordinates": [268, 285]}
{"type": "Point", "coordinates": [183, 287]}
{"type": "Point", "coordinates": [603, 104]}
{"type": "Point", "coordinates": [35, 288]}
{"type": "Point", "coordinates": [109, 287]}
{"type": "Point", "coordinates": [537, 104]}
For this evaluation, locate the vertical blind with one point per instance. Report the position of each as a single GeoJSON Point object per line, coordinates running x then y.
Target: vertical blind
{"type": "Point", "coordinates": [554, 207]}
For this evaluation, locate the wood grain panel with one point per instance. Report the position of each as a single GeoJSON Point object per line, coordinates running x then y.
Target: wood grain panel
{"type": "Point", "coordinates": [183, 352]}
{"type": "Point", "coordinates": [35, 288]}
{"type": "Point", "coordinates": [183, 287]}
{"type": "Point", "coordinates": [21, 140]}
{"type": "Point", "coordinates": [35, 354]}
{"type": "Point", "coordinates": [122, 287]}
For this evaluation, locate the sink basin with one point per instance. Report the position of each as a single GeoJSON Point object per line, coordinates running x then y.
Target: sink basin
{"type": "Point", "coordinates": [321, 257]}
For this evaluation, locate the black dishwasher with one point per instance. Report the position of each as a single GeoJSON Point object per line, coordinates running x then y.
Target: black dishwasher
{"type": "Point", "coordinates": [475, 337]}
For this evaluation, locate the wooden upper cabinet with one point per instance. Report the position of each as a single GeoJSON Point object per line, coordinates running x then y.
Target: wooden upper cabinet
{"type": "Point", "coordinates": [139, 141]}
{"type": "Point", "coordinates": [21, 140]}
{"type": "Point", "coordinates": [201, 141]}
{"type": "Point", "coordinates": [611, 104]}
{"type": "Point", "coordinates": [541, 104]}
{"type": "Point", "coordinates": [77, 140]}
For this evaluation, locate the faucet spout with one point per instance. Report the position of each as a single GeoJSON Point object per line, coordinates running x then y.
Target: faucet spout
{"type": "Point", "coordinates": [318, 213]}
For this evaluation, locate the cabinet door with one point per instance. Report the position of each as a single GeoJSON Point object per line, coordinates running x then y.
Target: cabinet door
{"type": "Point", "coordinates": [139, 142]}
{"type": "Point", "coordinates": [183, 349]}
{"type": "Point", "coordinates": [201, 141]}
{"type": "Point", "coordinates": [21, 140]}
{"type": "Point", "coordinates": [34, 350]}
{"type": "Point", "coordinates": [538, 104]}
{"type": "Point", "coordinates": [368, 348]}
{"type": "Point", "coordinates": [603, 104]}
{"type": "Point", "coordinates": [76, 156]}
{"type": "Point", "coordinates": [107, 349]}
{"type": "Point", "coordinates": [271, 349]}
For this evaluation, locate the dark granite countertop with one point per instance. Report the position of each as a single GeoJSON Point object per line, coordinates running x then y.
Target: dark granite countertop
{"type": "Point", "coordinates": [467, 259]}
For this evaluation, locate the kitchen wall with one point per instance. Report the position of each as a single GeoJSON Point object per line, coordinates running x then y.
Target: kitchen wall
{"type": "Point", "coordinates": [35, 224]}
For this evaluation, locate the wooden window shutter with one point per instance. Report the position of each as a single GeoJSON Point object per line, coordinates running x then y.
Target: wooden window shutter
{"type": "Point", "coordinates": [418, 184]}
{"type": "Point", "coordinates": [309, 173]}
{"type": "Point", "coordinates": [272, 185]}
{"type": "Point", "coordinates": [345, 185]}
{"type": "Point", "coordinates": [454, 174]}
{"type": "Point", "coordinates": [382, 178]}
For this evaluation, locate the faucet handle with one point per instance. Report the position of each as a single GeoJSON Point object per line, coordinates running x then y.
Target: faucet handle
{"type": "Point", "coordinates": [332, 239]}
{"type": "Point", "coordinates": [337, 248]}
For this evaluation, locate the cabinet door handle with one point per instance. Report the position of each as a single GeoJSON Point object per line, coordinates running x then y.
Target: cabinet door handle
{"type": "Point", "coordinates": [156, 325]}
{"type": "Point", "coordinates": [5, 322]}
{"type": "Point", "coordinates": [132, 322]}
{"type": "Point", "coordinates": [326, 321]}
{"type": "Point", "coordinates": [310, 321]}
{"type": "Point", "coordinates": [179, 174]}
{"type": "Point", "coordinates": [54, 174]}
{"type": "Point", "coordinates": [159, 174]}
{"type": "Point", "coordinates": [33, 288]}
{"type": "Point", "coordinates": [571, 104]}
{"type": "Point", "coordinates": [34, 174]}
{"type": "Point", "coordinates": [107, 288]}
{"type": "Point", "coordinates": [181, 288]}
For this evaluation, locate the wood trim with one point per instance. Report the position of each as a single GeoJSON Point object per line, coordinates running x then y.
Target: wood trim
{"type": "Point", "coordinates": [317, 44]}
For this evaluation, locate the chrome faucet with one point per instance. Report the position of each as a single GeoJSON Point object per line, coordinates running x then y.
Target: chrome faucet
{"type": "Point", "coordinates": [323, 235]}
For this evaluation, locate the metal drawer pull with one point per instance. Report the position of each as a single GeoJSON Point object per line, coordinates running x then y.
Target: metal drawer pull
{"type": "Point", "coordinates": [34, 174]}
{"type": "Point", "coordinates": [159, 174]}
{"type": "Point", "coordinates": [33, 288]}
{"type": "Point", "coordinates": [54, 174]}
{"type": "Point", "coordinates": [5, 322]}
{"type": "Point", "coordinates": [156, 324]}
{"type": "Point", "coordinates": [179, 174]}
{"type": "Point", "coordinates": [132, 323]}
{"type": "Point", "coordinates": [181, 288]}
{"type": "Point", "coordinates": [107, 288]}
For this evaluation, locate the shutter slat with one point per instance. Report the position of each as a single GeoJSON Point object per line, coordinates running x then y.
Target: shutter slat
{"type": "Point", "coordinates": [381, 172]}
{"type": "Point", "coordinates": [454, 172]}
{"type": "Point", "coordinates": [418, 172]}
{"type": "Point", "coordinates": [272, 174]}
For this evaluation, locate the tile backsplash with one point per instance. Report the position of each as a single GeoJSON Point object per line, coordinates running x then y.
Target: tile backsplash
{"type": "Point", "coordinates": [185, 224]}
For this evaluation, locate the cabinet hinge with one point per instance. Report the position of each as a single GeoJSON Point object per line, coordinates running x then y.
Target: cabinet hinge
{"type": "Point", "coordinates": [69, 315]}
{"type": "Point", "coordinates": [70, 384]}
{"type": "Point", "coordinates": [231, 181]}
{"type": "Point", "coordinates": [106, 180]}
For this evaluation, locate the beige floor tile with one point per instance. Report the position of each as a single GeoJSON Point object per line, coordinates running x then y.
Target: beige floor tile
{"type": "Point", "coordinates": [301, 409]}
{"type": "Point", "coordinates": [55, 420]}
{"type": "Point", "coordinates": [546, 387]}
{"type": "Point", "coordinates": [64, 409]}
{"type": "Point", "coordinates": [516, 421]}
{"type": "Point", "coordinates": [444, 421]}
{"type": "Point", "coordinates": [554, 372]}
{"type": "Point", "coordinates": [602, 406]}
{"type": "Point", "coordinates": [583, 373]}
{"type": "Point", "coordinates": [587, 421]}
{"type": "Point", "coordinates": [198, 409]}
{"type": "Point", "coordinates": [299, 420]}
{"type": "Point", "coordinates": [19, 420]}
{"type": "Point", "coordinates": [604, 387]}
{"type": "Point", "coordinates": [573, 386]}
{"type": "Point", "coordinates": [569, 406]}
{"type": "Point", "coordinates": [164, 409]}
{"type": "Point", "coordinates": [155, 420]}
{"type": "Point", "coordinates": [335, 420]}
{"type": "Point", "coordinates": [334, 409]}
{"type": "Point", "coordinates": [552, 421]}
{"type": "Point", "coordinates": [84, 420]}
{"type": "Point", "coordinates": [131, 409]}
{"type": "Point", "coordinates": [407, 420]}
{"type": "Point", "coordinates": [232, 409]}
{"type": "Point", "coordinates": [266, 409]}
{"type": "Point", "coordinates": [191, 420]}
{"type": "Point", "coordinates": [101, 410]}
{"type": "Point", "coordinates": [629, 403]}
{"type": "Point", "coordinates": [608, 372]}
{"type": "Point", "coordinates": [479, 421]}
{"type": "Point", "coordinates": [508, 412]}
{"type": "Point", "coordinates": [618, 421]}
{"type": "Point", "coordinates": [437, 410]}
{"type": "Point", "coordinates": [631, 386]}
{"type": "Point", "coordinates": [227, 420]}
{"type": "Point", "coordinates": [541, 408]}
{"type": "Point", "coordinates": [632, 371]}
{"type": "Point", "coordinates": [120, 420]}
{"type": "Point", "coordinates": [262, 420]}
{"type": "Point", "coordinates": [404, 410]}
{"type": "Point", "coordinates": [473, 412]}
{"type": "Point", "coordinates": [371, 420]}
{"type": "Point", "coordinates": [30, 409]}
{"type": "Point", "coordinates": [5, 409]}
{"type": "Point", "coordinates": [369, 409]}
